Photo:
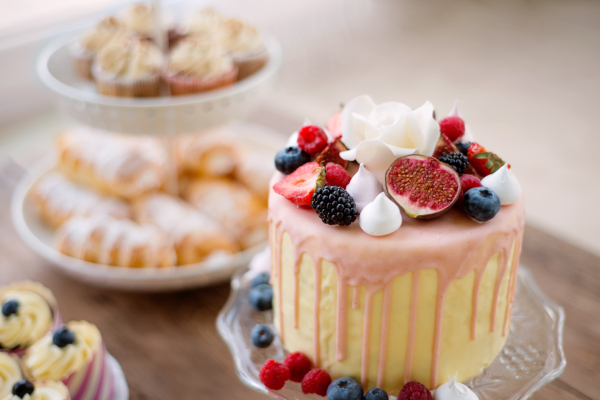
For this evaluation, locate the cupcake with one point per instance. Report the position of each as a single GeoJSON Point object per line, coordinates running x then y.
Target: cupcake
{"type": "Point", "coordinates": [10, 373]}
{"type": "Point", "coordinates": [73, 354]}
{"type": "Point", "coordinates": [245, 46]}
{"type": "Point", "coordinates": [202, 24]}
{"type": "Point", "coordinates": [129, 68]}
{"type": "Point", "coordinates": [38, 390]}
{"type": "Point", "coordinates": [197, 66]}
{"type": "Point", "coordinates": [140, 19]}
{"type": "Point", "coordinates": [29, 310]}
{"type": "Point", "coordinates": [108, 31]}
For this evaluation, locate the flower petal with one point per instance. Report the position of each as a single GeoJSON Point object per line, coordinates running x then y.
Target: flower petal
{"type": "Point", "coordinates": [353, 129]}
{"type": "Point", "coordinates": [430, 129]}
{"type": "Point", "coordinates": [377, 156]}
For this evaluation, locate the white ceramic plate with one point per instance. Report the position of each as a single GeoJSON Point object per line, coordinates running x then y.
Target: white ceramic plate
{"type": "Point", "coordinates": [41, 238]}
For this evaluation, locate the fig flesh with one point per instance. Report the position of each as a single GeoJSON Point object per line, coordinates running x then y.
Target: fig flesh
{"type": "Point", "coordinates": [331, 153]}
{"type": "Point", "coordinates": [422, 186]}
{"type": "Point", "coordinates": [445, 146]}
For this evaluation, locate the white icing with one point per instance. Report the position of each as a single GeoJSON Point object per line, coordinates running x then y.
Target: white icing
{"type": "Point", "coordinates": [454, 111]}
{"type": "Point", "coordinates": [378, 134]}
{"type": "Point", "coordinates": [380, 217]}
{"type": "Point", "coordinates": [292, 140]}
{"type": "Point", "coordinates": [364, 187]}
{"type": "Point", "coordinates": [504, 184]}
{"type": "Point", "coordinates": [453, 390]}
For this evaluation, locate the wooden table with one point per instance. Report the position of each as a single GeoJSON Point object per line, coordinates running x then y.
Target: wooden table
{"type": "Point", "coordinates": [169, 347]}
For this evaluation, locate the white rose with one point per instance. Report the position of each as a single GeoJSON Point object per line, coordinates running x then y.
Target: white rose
{"type": "Point", "coordinates": [376, 135]}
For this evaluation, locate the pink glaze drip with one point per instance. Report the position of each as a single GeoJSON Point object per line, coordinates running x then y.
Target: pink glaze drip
{"type": "Point", "coordinates": [297, 261]}
{"type": "Point", "coordinates": [385, 329]}
{"type": "Point", "coordinates": [512, 285]}
{"type": "Point", "coordinates": [478, 277]}
{"type": "Point", "coordinates": [452, 244]}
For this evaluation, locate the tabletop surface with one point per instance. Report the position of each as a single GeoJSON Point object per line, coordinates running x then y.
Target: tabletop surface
{"type": "Point", "coordinates": [169, 347]}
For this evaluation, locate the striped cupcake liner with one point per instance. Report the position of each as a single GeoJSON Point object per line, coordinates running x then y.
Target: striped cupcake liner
{"type": "Point", "coordinates": [111, 85]}
{"type": "Point", "coordinates": [95, 381]}
{"type": "Point", "coordinates": [182, 85]}
{"type": "Point", "coordinates": [250, 64]}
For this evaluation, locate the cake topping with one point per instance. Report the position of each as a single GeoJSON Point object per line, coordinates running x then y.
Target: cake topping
{"type": "Point", "coordinates": [312, 139]}
{"type": "Point", "coordinates": [453, 390]}
{"type": "Point", "coordinates": [453, 127]}
{"type": "Point", "coordinates": [422, 186]}
{"type": "Point", "coordinates": [463, 147]}
{"type": "Point", "coordinates": [10, 307]}
{"type": "Point", "coordinates": [133, 58]}
{"type": "Point", "coordinates": [274, 375]}
{"type": "Point", "coordinates": [444, 146]}
{"type": "Point", "coordinates": [483, 161]}
{"type": "Point", "coordinates": [22, 388]}
{"type": "Point", "coordinates": [299, 186]}
{"type": "Point", "coordinates": [289, 159]}
{"type": "Point", "coordinates": [261, 297]}
{"type": "Point", "coordinates": [345, 389]}
{"type": "Point", "coordinates": [196, 58]}
{"type": "Point", "coordinates": [414, 390]}
{"type": "Point", "coordinates": [26, 316]}
{"type": "Point", "coordinates": [334, 206]}
{"type": "Point", "coordinates": [467, 182]}
{"type": "Point", "coordinates": [381, 217]}
{"type": "Point", "coordinates": [316, 381]}
{"type": "Point", "coordinates": [10, 372]}
{"type": "Point", "coordinates": [458, 161]}
{"type": "Point", "coordinates": [364, 187]}
{"type": "Point", "coordinates": [336, 175]}
{"type": "Point", "coordinates": [332, 153]}
{"type": "Point", "coordinates": [299, 365]}
{"type": "Point", "coordinates": [63, 337]}
{"type": "Point", "coordinates": [504, 184]}
{"type": "Point", "coordinates": [376, 394]}
{"type": "Point", "coordinates": [262, 336]}
{"type": "Point", "coordinates": [481, 204]}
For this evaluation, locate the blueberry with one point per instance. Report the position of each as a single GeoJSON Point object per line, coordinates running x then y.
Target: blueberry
{"type": "Point", "coordinates": [63, 336]}
{"type": "Point", "coordinates": [10, 307]}
{"type": "Point", "coordinates": [345, 389]}
{"type": "Point", "coordinates": [376, 394]}
{"type": "Point", "coordinates": [463, 147]}
{"type": "Point", "coordinates": [481, 204]}
{"type": "Point", "coordinates": [262, 336]}
{"type": "Point", "coordinates": [22, 388]}
{"type": "Point", "coordinates": [261, 297]}
{"type": "Point", "coordinates": [262, 278]}
{"type": "Point", "coordinates": [288, 159]}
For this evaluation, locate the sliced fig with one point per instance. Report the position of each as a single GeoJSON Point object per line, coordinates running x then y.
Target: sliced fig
{"type": "Point", "coordinates": [331, 153]}
{"type": "Point", "coordinates": [422, 186]}
{"type": "Point", "coordinates": [445, 146]}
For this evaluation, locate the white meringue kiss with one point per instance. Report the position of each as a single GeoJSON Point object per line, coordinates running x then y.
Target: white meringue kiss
{"type": "Point", "coordinates": [376, 135]}
{"type": "Point", "coordinates": [453, 390]}
{"type": "Point", "coordinates": [364, 187]}
{"type": "Point", "coordinates": [468, 135]}
{"type": "Point", "coordinates": [504, 184]}
{"type": "Point", "coordinates": [380, 217]}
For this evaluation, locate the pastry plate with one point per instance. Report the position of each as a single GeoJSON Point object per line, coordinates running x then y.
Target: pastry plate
{"type": "Point", "coordinates": [532, 357]}
{"type": "Point", "coordinates": [121, 388]}
{"type": "Point", "coordinates": [216, 270]}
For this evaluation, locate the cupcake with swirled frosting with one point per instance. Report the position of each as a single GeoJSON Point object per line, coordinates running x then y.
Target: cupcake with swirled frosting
{"type": "Point", "coordinates": [38, 390]}
{"type": "Point", "coordinates": [140, 19]}
{"type": "Point", "coordinates": [197, 66]}
{"type": "Point", "coordinates": [28, 311]}
{"type": "Point", "coordinates": [75, 355]}
{"type": "Point", "coordinates": [10, 373]}
{"type": "Point", "coordinates": [129, 68]}
{"type": "Point", "coordinates": [244, 44]}
{"type": "Point", "coordinates": [83, 51]}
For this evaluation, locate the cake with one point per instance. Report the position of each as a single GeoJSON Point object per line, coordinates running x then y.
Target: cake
{"type": "Point", "coordinates": [420, 285]}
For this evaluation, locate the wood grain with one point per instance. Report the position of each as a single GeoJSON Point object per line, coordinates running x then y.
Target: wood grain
{"type": "Point", "coordinates": [169, 347]}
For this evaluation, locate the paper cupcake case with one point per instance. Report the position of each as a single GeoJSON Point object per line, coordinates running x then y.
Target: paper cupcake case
{"type": "Point", "coordinates": [182, 85]}
{"type": "Point", "coordinates": [110, 85]}
{"type": "Point", "coordinates": [250, 63]}
{"type": "Point", "coordinates": [82, 61]}
{"type": "Point", "coordinates": [95, 381]}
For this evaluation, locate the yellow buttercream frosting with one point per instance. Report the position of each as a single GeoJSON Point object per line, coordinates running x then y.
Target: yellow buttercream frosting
{"type": "Point", "coordinates": [31, 320]}
{"type": "Point", "coordinates": [43, 391]}
{"type": "Point", "coordinates": [10, 373]}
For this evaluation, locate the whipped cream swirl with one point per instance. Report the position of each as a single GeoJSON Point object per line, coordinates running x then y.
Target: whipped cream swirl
{"type": "Point", "coordinates": [44, 391]}
{"type": "Point", "coordinates": [196, 58]}
{"type": "Point", "coordinates": [141, 19]}
{"type": "Point", "coordinates": [110, 30]}
{"type": "Point", "coordinates": [453, 390]}
{"type": "Point", "coordinates": [364, 187]}
{"type": "Point", "coordinates": [376, 135]}
{"type": "Point", "coordinates": [46, 361]}
{"type": "Point", "coordinates": [32, 319]}
{"type": "Point", "coordinates": [380, 217]}
{"type": "Point", "coordinates": [504, 184]}
{"type": "Point", "coordinates": [10, 373]}
{"type": "Point", "coordinates": [239, 38]}
{"type": "Point", "coordinates": [204, 23]}
{"type": "Point", "coordinates": [131, 58]}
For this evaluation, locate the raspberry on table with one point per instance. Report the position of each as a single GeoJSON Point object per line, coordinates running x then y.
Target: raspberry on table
{"type": "Point", "coordinates": [312, 139]}
{"type": "Point", "coordinates": [298, 364]}
{"type": "Point", "coordinates": [336, 175]}
{"type": "Point", "coordinates": [274, 374]}
{"type": "Point", "coordinates": [316, 381]}
{"type": "Point", "coordinates": [414, 390]}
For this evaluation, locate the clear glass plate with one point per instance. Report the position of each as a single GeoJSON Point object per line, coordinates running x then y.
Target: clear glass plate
{"type": "Point", "coordinates": [533, 355]}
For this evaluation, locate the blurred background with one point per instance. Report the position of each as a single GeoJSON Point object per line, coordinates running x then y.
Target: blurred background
{"type": "Point", "coordinates": [525, 73]}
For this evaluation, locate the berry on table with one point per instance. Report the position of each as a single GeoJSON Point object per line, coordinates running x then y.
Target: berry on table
{"type": "Point", "coordinates": [261, 297]}
{"type": "Point", "coordinates": [376, 394]}
{"type": "Point", "coordinates": [10, 307]}
{"type": "Point", "coordinates": [481, 204]}
{"type": "Point", "coordinates": [289, 159]}
{"type": "Point", "coordinates": [345, 389]}
{"type": "Point", "coordinates": [414, 390]}
{"type": "Point", "coordinates": [458, 161]}
{"type": "Point", "coordinates": [298, 364]}
{"type": "Point", "coordinates": [483, 161]}
{"type": "Point", "coordinates": [312, 139]}
{"type": "Point", "coordinates": [260, 279]}
{"type": "Point", "coordinates": [274, 375]}
{"type": "Point", "coordinates": [316, 381]}
{"type": "Point", "coordinates": [453, 127]}
{"type": "Point", "coordinates": [299, 186]}
{"type": "Point", "coordinates": [63, 337]}
{"type": "Point", "coordinates": [23, 388]}
{"type": "Point", "coordinates": [262, 336]}
{"type": "Point", "coordinates": [336, 175]}
{"type": "Point", "coordinates": [334, 206]}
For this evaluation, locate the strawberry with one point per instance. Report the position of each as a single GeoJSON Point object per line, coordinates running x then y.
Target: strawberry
{"type": "Point", "coordinates": [336, 175]}
{"type": "Point", "coordinates": [453, 127]}
{"type": "Point", "coordinates": [331, 153]}
{"type": "Point", "coordinates": [312, 139]}
{"type": "Point", "coordinates": [299, 186]}
{"type": "Point", "coordinates": [483, 161]}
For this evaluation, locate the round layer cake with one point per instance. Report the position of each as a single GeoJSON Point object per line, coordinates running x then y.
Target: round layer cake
{"type": "Point", "coordinates": [423, 303]}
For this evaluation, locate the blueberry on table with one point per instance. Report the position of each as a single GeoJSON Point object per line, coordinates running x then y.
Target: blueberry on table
{"type": "Point", "coordinates": [22, 388]}
{"type": "Point", "coordinates": [10, 307]}
{"type": "Point", "coordinates": [345, 389]}
{"type": "Point", "coordinates": [262, 336]}
{"type": "Point", "coordinates": [261, 297]}
{"type": "Point", "coordinates": [260, 279]}
{"type": "Point", "coordinates": [288, 159]}
{"type": "Point", "coordinates": [63, 337]}
{"type": "Point", "coordinates": [481, 204]}
{"type": "Point", "coordinates": [376, 394]}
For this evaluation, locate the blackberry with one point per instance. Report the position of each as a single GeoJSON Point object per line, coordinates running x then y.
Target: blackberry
{"type": "Point", "coordinates": [458, 161]}
{"type": "Point", "coordinates": [334, 205]}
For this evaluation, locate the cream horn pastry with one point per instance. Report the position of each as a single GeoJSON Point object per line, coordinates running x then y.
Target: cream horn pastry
{"type": "Point", "coordinates": [210, 155]}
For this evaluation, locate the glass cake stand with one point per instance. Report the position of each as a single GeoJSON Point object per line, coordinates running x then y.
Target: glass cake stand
{"type": "Point", "coordinates": [532, 357]}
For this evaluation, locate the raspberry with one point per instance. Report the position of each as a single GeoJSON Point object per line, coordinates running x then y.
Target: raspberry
{"type": "Point", "coordinates": [453, 127]}
{"type": "Point", "coordinates": [298, 364]}
{"type": "Point", "coordinates": [414, 390]}
{"type": "Point", "coordinates": [467, 182]}
{"type": "Point", "coordinates": [336, 175]}
{"type": "Point", "coordinates": [273, 375]}
{"type": "Point", "coordinates": [312, 139]}
{"type": "Point", "coordinates": [316, 381]}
